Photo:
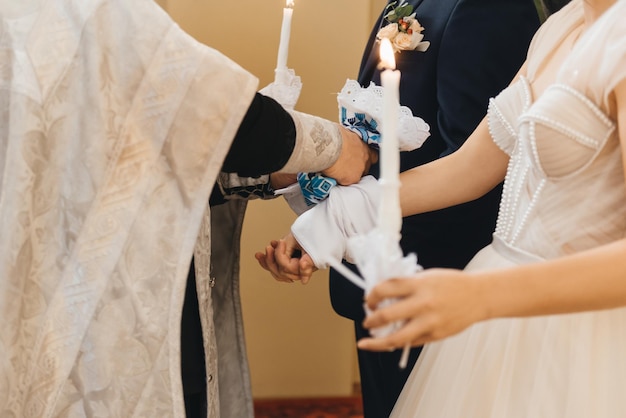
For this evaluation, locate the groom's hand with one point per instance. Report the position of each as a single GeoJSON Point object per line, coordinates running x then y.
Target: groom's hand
{"type": "Point", "coordinates": [286, 261]}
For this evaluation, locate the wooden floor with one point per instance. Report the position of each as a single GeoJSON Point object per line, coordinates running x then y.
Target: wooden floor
{"type": "Point", "coordinates": [309, 408]}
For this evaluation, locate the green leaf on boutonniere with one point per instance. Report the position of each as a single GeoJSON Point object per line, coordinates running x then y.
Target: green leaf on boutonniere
{"type": "Point", "coordinates": [403, 10]}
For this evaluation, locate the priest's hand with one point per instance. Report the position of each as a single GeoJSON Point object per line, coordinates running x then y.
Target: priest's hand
{"type": "Point", "coordinates": [355, 159]}
{"type": "Point", "coordinates": [286, 261]}
{"type": "Point", "coordinates": [282, 180]}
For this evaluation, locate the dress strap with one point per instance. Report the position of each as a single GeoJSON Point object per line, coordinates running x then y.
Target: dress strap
{"type": "Point", "coordinates": [552, 33]}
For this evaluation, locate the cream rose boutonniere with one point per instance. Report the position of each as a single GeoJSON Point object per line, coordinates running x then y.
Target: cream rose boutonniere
{"type": "Point", "coordinates": [402, 28]}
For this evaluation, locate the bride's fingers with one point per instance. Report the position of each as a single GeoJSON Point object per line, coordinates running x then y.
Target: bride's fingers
{"type": "Point", "coordinates": [391, 288]}
{"type": "Point", "coordinates": [413, 333]}
{"type": "Point", "coordinates": [399, 310]}
{"type": "Point", "coordinates": [374, 344]}
{"type": "Point", "coordinates": [378, 344]}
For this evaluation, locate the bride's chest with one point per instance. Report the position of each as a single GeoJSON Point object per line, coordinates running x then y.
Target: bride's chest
{"type": "Point", "coordinates": [560, 134]}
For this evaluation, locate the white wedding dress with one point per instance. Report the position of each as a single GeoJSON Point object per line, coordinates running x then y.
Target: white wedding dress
{"type": "Point", "coordinates": [564, 193]}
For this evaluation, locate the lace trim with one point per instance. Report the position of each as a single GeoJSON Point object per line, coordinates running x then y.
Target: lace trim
{"type": "Point", "coordinates": [412, 130]}
{"type": "Point", "coordinates": [285, 89]}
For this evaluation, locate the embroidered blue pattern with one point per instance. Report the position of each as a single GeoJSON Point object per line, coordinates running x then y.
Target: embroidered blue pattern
{"type": "Point", "coordinates": [315, 187]}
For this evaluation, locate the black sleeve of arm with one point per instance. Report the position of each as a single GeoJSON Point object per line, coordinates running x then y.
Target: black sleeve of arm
{"type": "Point", "coordinates": [483, 47]}
{"type": "Point", "coordinates": [264, 141]}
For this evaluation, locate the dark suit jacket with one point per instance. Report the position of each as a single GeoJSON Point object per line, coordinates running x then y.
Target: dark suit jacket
{"type": "Point", "coordinates": [476, 48]}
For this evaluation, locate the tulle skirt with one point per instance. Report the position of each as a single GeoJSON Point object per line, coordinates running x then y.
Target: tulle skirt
{"type": "Point", "coordinates": [558, 366]}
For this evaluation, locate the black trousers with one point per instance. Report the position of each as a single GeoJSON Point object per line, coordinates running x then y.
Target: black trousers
{"type": "Point", "coordinates": [381, 377]}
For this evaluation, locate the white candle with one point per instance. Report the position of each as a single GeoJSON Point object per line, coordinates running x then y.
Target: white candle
{"type": "Point", "coordinates": [390, 215]}
{"type": "Point", "coordinates": [285, 32]}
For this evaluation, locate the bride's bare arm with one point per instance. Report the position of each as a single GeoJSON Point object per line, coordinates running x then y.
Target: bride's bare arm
{"type": "Point", "coordinates": [476, 168]}
{"type": "Point", "coordinates": [465, 175]}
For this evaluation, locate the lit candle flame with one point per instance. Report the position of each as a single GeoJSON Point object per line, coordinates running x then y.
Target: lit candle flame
{"type": "Point", "coordinates": [289, 4]}
{"type": "Point", "coordinates": [387, 59]}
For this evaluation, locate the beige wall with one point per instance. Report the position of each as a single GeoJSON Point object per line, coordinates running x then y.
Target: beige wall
{"type": "Point", "coordinates": [297, 346]}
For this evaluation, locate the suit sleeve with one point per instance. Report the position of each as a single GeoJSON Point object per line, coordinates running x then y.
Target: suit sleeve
{"type": "Point", "coordinates": [479, 55]}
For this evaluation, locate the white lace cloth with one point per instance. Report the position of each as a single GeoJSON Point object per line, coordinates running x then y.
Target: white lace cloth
{"type": "Point", "coordinates": [360, 110]}
{"type": "Point", "coordinates": [285, 88]}
{"type": "Point", "coordinates": [379, 257]}
{"type": "Point", "coordinates": [112, 133]}
{"type": "Point", "coordinates": [368, 101]}
{"type": "Point", "coordinates": [344, 226]}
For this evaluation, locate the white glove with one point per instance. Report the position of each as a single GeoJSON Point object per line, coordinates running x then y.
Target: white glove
{"type": "Point", "coordinates": [348, 211]}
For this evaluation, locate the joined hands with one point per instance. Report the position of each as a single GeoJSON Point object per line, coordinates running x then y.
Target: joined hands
{"type": "Point", "coordinates": [355, 159]}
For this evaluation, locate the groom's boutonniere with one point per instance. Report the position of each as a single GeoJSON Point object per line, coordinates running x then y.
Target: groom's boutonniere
{"type": "Point", "coordinates": [402, 28]}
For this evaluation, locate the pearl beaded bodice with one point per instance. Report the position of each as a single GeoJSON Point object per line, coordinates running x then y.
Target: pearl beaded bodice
{"type": "Point", "coordinates": [564, 188]}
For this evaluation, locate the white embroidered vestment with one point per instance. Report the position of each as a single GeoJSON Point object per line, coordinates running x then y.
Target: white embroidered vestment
{"type": "Point", "coordinates": [113, 127]}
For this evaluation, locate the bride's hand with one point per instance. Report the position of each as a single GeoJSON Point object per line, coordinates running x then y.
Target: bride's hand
{"type": "Point", "coordinates": [286, 261]}
{"type": "Point", "coordinates": [435, 304]}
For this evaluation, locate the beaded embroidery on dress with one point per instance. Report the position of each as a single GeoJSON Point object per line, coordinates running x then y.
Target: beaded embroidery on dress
{"type": "Point", "coordinates": [564, 193]}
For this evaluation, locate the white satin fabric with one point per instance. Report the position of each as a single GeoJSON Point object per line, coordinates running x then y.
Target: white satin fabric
{"type": "Point", "coordinates": [349, 211]}
{"type": "Point", "coordinates": [113, 127]}
{"type": "Point", "coordinates": [564, 193]}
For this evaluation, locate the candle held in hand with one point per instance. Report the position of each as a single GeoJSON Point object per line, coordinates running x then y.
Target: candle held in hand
{"type": "Point", "coordinates": [390, 215]}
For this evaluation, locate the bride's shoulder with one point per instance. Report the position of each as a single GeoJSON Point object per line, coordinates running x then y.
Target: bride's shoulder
{"type": "Point", "coordinates": [596, 63]}
{"type": "Point", "coordinates": [559, 24]}
{"type": "Point", "coordinates": [552, 32]}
